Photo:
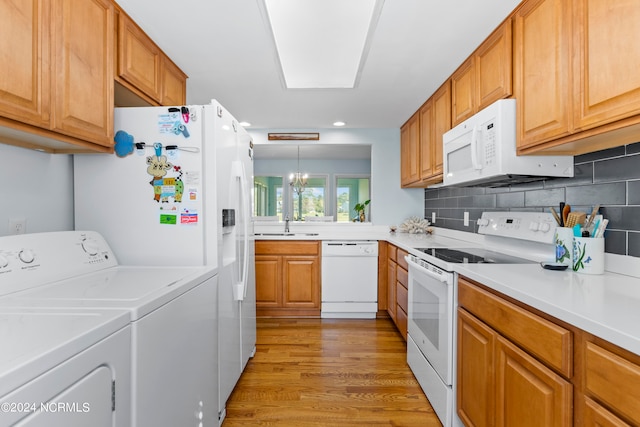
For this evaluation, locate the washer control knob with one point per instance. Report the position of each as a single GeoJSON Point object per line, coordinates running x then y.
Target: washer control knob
{"type": "Point", "coordinates": [26, 256]}
{"type": "Point", "coordinates": [90, 246]}
{"type": "Point", "coordinates": [3, 261]}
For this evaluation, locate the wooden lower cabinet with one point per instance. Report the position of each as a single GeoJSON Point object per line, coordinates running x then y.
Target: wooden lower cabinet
{"type": "Point", "coordinates": [499, 383]}
{"type": "Point", "coordinates": [288, 278]}
{"type": "Point", "coordinates": [397, 288]}
{"type": "Point", "coordinates": [527, 392]}
{"type": "Point", "coordinates": [517, 366]}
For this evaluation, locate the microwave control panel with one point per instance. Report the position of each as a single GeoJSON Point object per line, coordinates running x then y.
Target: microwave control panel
{"type": "Point", "coordinates": [489, 143]}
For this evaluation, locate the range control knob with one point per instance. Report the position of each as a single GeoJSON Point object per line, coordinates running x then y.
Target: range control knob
{"type": "Point", "coordinates": [534, 226]}
{"type": "Point", "coordinates": [3, 261]}
{"type": "Point", "coordinates": [544, 227]}
{"type": "Point", "coordinates": [483, 222]}
{"type": "Point", "coordinates": [90, 246]}
{"type": "Point", "coordinates": [26, 256]}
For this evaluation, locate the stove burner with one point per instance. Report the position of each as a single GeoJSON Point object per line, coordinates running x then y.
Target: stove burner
{"type": "Point", "coordinates": [473, 256]}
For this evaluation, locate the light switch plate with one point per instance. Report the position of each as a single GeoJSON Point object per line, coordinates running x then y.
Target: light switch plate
{"type": "Point", "coordinates": [466, 219]}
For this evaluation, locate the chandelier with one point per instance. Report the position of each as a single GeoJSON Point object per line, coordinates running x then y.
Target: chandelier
{"type": "Point", "coordinates": [298, 180]}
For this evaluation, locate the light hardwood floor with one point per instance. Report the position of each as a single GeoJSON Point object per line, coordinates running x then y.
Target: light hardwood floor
{"type": "Point", "coordinates": [326, 372]}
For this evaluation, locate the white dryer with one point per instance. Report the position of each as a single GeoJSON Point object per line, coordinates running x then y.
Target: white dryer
{"type": "Point", "coordinates": [172, 315]}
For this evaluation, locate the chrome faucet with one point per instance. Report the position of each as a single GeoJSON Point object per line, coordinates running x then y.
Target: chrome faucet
{"type": "Point", "coordinates": [286, 224]}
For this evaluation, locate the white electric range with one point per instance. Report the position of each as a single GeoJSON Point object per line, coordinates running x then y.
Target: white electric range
{"type": "Point", "coordinates": [431, 324]}
{"type": "Point", "coordinates": [169, 314]}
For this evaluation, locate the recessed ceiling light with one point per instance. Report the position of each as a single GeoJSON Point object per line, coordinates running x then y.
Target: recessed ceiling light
{"type": "Point", "coordinates": [339, 124]}
{"type": "Point", "coordinates": [322, 44]}
{"type": "Point", "coordinates": [245, 124]}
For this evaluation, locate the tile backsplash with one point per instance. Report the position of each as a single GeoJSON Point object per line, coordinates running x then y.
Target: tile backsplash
{"type": "Point", "coordinates": [610, 178]}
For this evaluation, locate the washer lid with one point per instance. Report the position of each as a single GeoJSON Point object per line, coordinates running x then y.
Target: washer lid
{"type": "Point", "coordinates": [36, 340]}
{"type": "Point", "coordinates": [138, 289]}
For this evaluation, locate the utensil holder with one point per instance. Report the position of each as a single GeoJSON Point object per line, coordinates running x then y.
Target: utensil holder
{"type": "Point", "coordinates": [588, 255]}
{"type": "Point", "coordinates": [563, 240]}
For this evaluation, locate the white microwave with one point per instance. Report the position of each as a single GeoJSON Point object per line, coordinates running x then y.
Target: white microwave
{"type": "Point", "coordinates": [482, 151]}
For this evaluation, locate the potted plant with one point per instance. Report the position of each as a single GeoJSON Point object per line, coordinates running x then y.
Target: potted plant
{"type": "Point", "coordinates": [359, 208]}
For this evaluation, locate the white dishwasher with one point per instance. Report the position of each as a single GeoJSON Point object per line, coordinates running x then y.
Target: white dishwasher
{"type": "Point", "coordinates": [349, 279]}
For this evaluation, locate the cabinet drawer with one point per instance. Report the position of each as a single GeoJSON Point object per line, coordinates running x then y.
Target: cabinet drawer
{"type": "Point", "coordinates": [400, 259]}
{"type": "Point", "coordinates": [547, 341]}
{"type": "Point", "coordinates": [401, 322]}
{"type": "Point", "coordinates": [278, 247]}
{"type": "Point", "coordinates": [402, 277]}
{"type": "Point", "coordinates": [393, 251]}
{"type": "Point", "coordinates": [402, 297]}
{"type": "Point", "coordinates": [614, 380]}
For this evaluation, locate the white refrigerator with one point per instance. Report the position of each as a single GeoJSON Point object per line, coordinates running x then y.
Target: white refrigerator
{"type": "Point", "coordinates": [178, 193]}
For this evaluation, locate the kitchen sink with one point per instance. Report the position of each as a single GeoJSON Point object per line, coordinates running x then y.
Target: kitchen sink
{"type": "Point", "coordinates": [286, 234]}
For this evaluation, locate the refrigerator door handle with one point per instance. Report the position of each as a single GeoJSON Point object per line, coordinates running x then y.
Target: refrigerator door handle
{"type": "Point", "coordinates": [239, 175]}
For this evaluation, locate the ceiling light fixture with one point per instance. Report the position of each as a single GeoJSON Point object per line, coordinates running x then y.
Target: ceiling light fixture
{"type": "Point", "coordinates": [298, 181]}
{"type": "Point", "coordinates": [322, 44]}
{"type": "Point", "coordinates": [245, 124]}
{"type": "Point", "coordinates": [339, 124]}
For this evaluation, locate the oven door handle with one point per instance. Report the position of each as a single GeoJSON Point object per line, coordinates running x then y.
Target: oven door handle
{"type": "Point", "coordinates": [444, 278]}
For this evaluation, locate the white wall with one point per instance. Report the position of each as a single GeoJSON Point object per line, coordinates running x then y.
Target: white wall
{"type": "Point", "coordinates": [391, 203]}
{"type": "Point", "coordinates": [36, 186]}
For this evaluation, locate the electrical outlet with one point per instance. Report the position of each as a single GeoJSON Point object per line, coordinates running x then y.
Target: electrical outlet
{"type": "Point", "coordinates": [466, 219]}
{"type": "Point", "coordinates": [433, 217]}
{"type": "Point", "coordinates": [17, 225]}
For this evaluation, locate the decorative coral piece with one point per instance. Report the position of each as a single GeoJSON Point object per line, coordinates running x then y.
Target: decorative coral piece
{"type": "Point", "coordinates": [415, 225]}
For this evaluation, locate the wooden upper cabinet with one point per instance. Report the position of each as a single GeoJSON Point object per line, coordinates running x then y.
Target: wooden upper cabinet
{"type": "Point", "coordinates": [441, 124]}
{"type": "Point", "coordinates": [410, 151]}
{"type": "Point", "coordinates": [484, 77]}
{"type": "Point", "coordinates": [82, 69]}
{"type": "Point", "coordinates": [174, 84]}
{"type": "Point", "coordinates": [143, 69]}
{"type": "Point", "coordinates": [493, 67]}
{"type": "Point", "coordinates": [426, 139]}
{"type": "Point", "coordinates": [138, 57]}
{"type": "Point", "coordinates": [607, 60]}
{"type": "Point", "coordinates": [542, 76]}
{"type": "Point", "coordinates": [25, 82]}
{"type": "Point", "coordinates": [463, 92]}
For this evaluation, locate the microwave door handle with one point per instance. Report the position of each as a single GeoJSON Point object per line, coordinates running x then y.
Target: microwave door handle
{"type": "Point", "coordinates": [474, 148]}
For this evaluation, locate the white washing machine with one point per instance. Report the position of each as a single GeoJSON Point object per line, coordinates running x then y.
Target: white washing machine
{"type": "Point", "coordinates": [65, 368]}
{"type": "Point", "coordinates": [172, 314]}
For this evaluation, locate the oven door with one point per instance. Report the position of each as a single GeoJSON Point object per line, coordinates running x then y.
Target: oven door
{"type": "Point", "coordinates": [430, 317]}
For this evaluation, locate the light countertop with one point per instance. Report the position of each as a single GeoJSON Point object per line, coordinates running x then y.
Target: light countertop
{"type": "Point", "coordinates": [606, 305]}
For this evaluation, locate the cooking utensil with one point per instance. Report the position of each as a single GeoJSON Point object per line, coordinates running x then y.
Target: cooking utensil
{"type": "Point", "coordinates": [556, 216]}
{"type": "Point", "coordinates": [575, 218]}
{"type": "Point", "coordinates": [566, 209]}
{"type": "Point", "coordinates": [592, 216]}
{"type": "Point", "coordinates": [561, 214]}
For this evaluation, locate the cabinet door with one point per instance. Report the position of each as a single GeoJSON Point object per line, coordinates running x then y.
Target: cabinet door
{"type": "Point", "coordinates": [268, 281]}
{"type": "Point", "coordinates": [426, 140]}
{"type": "Point", "coordinates": [301, 284]}
{"type": "Point", "coordinates": [174, 84]}
{"type": "Point", "coordinates": [476, 393]}
{"type": "Point", "coordinates": [441, 124]}
{"type": "Point", "coordinates": [598, 416]}
{"type": "Point", "coordinates": [463, 92]}
{"type": "Point", "coordinates": [82, 69]}
{"type": "Point", "coordinates": [24, 86]}
{"type": "Point", "coordinates": [391, 290]}
{"type": "Point", "coordinates": [493, 67]}
{"type": "Point", "coordinates": [138, 58]}
{"type": "Point", "coordinates": [607, 60]}
{"type": "Point", "coordinates": [542, 75]}
{"type": "Point", "coordinates": [528, 393]}
{"type": "Point", "coordinates": [410, 151]}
